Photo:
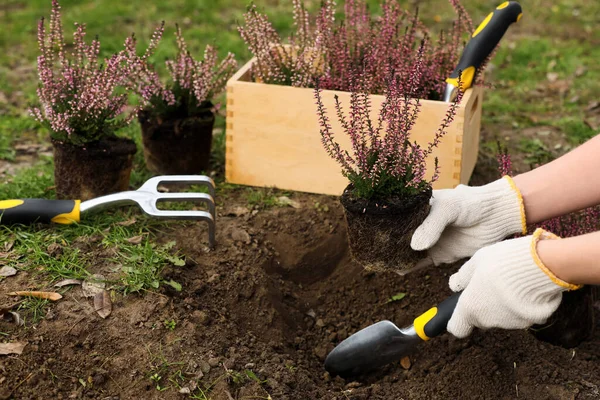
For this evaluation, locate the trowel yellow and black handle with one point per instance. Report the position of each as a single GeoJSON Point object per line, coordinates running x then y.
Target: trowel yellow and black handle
{"type": "Point", "coordinates": [483, 41]}
{"type": "Point", "coordinates": [27, 211]}
{"type": "Point", "coordinates": [434, 321]}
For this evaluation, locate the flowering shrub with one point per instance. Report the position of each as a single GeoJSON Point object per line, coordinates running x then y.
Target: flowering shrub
{"type": "Point", "coordinates": [80, 98]}
{"type": "Point", "coordinates": [193, 83]}
{"type": "Point", "coordinates": [334, 52]}
{"type": "Point", "coordinates": [384, 162]}
{"type": "Point", "coordinates": [569, 225]}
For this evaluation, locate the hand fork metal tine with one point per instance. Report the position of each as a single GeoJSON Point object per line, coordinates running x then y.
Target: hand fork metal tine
{"type": "Point", "coordinates": [151, 185]}
{"type": "Point", "coordinates": [147, 196]}
{"type": "Point", "coordinates": [191, 197]}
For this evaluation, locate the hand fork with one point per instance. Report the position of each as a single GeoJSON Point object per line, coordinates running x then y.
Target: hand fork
{"type": "Point", "coordinates": [26, 211]}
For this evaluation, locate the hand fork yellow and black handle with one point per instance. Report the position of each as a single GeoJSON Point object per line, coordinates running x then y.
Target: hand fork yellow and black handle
{"type": "Point", "coordinates": [483, 41]}
{"type": "Point", "coordinates": [27, 211]}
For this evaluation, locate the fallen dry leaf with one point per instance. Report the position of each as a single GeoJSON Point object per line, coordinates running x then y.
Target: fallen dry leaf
{"type": "Point", "coordinates": [135, 240]}
{"type": "Point", "coordinates": [592, 106]}
{"type": "Point", "coordinates": [54, 249]}
{"type": "Point", "coordinates": [129, 222]}
{"type": "Point", "coordinates": [580, 71]}
{"type": "Point", "coordinates": [11, 316]}
{"type": "Point", "coordinates": [102, 304]}
{"type": "Point", "coordinates": [8, 256]}
{"type": "Point", "coordinates": [405, 362]}
{"type": "Point", "coordinates": [286, 201]}
{"type": "Point", "coordinates": [93, 286]}
{"type": "Point", "coordinates": [593, 122]}
{"type": "Point", "coordinates": [7, 271]}
{"type": "Point", "coordinates": [67, 282]}
{"type": "Point", "coordinates": [9, 245]}
{"type": "Point", "coordinates": [552, 76]}
{"type": "Point", "coordinates": [53, 296]}
{"type": "Point", "coordinates": [11, 348]}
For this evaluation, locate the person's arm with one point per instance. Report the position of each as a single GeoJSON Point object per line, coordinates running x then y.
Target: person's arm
{"type": "Point", "coordinates": [567, 184]}
{"type": "Point", "coordinates": [575, 260]}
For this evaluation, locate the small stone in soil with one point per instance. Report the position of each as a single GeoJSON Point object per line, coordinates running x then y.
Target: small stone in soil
{"type": "Point", "coordinates": [352, 385]}
{"type": "Point", "coordinates": [204, 366]}
{"type": "Point", "coordinates": [320, 323]}
{"type": "Point", "coordinates": [405, 362]}
{"type": "Point", "coordinates": [240, 235]}
{"type": "Point", "coordinates": [321, 352]}
{"type": "Point", "coordinates": [213, 362]}
{"type": "Point", "coordinates": [200, 317]}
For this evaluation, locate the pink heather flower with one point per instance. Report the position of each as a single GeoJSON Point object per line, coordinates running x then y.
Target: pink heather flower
{"type": "Point", "coordinates": [193, 82]}
{"type": "Point", "coordinates": [79, 98]}
{"type": "Point", "coordinates": [384, 160]}
{"type": "Point", "coordinates": [333, 51]}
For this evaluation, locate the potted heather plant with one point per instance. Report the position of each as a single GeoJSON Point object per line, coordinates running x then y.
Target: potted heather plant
{"type": "Point", "coordinates": [178, 117]}
{"type": "Point", "coordinates": [389, 190]}
{"type": "Point", "coordinates": [271, 123]}
{"type": "Point", "coordinates": [83, 106]}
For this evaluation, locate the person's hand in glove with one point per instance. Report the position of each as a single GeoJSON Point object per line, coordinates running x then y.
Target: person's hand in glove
{"type": "Point", "coordinates": [519, 282]}
{"type": "Point", "coordinates": [467, 218]}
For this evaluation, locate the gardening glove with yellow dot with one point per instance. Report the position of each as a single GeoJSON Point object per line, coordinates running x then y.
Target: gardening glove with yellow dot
{"type": "Point", "coordinates": [506, 285]}
{"type": "Point", "coordinates": [467, 218]}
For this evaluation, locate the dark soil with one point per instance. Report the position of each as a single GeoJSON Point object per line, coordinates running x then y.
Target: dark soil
{"type": "Point", "coordinates": [573, 322]}
{"type": "Point", "coordinates": [179, 146]}
{"type": "Point", "coordinates": [274, 297]}
{"type": "Point", "coordinates": [380, 231]}
{"type": "Point", "coordinates": [93, 170]}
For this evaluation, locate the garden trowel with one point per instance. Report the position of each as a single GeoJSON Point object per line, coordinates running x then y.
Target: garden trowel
{"type": "Point", "coordinates": [483, 41]}
{"type": "Point", "coordinates": [26, 211]}
{"type": "Point", "coordinates": [382, 343]}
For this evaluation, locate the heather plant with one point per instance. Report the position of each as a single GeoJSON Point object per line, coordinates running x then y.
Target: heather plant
{"type": "Point", "coordinates": [383, 161]}
{"type": "Point", "coordinates": [81, 99]}
{"type": "Point", "coordinates": [569, 225]}
{"type": "Point", "coordinates": [335, 51]}
{"type": "Point", "coordinates": [193, 83]}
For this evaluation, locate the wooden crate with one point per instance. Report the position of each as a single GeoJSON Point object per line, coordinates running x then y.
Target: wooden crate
{"type": "Point", "coordinates": [273, 137]}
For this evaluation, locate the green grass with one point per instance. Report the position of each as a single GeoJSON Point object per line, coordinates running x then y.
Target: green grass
{"type": "Point", "coordinates": [261, 198]}
{"type": "Point", "coordinates": [135, 267]}
{"type": "Point", "coordinates": [523, 93]}
{"type": "Point", "coordinates": [33, 309]}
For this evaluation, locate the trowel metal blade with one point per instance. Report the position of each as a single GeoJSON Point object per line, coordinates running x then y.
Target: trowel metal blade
{"type": "Point", "coordinates": [370, 348]}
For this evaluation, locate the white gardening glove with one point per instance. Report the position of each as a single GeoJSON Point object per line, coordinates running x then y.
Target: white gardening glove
{"type": "Point", "coordinates": [506, 285]}
{"type": "Point", "coordinates": [467, 218]}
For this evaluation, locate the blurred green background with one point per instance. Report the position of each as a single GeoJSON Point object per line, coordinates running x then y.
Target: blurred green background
{"type": "Point", "coordinates": [544, 74]}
